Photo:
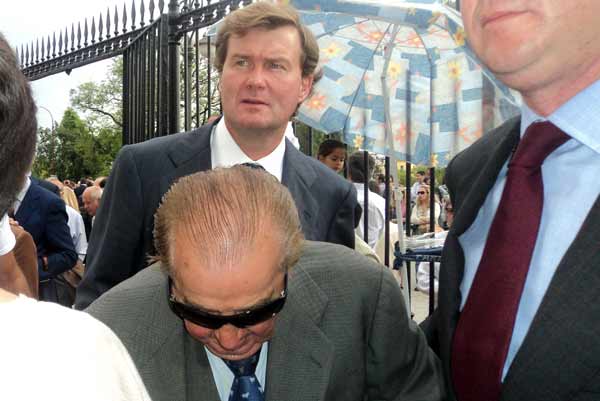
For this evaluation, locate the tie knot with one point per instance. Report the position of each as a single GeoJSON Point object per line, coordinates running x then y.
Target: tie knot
{"type": "Point", "coordinates": [540, 139]}
{"type": "Point", "coordinates": [243, 367]}
{"type": "Point", "coordinates": [255, 166]}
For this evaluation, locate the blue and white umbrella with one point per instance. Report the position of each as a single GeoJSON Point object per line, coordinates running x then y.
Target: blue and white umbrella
{"type": "Point", "coordinates": [399, 80]}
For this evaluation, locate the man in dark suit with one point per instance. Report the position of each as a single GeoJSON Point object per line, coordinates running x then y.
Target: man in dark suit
{"type": "Point", "coordinates": [42, 214]}
{"type": "Point", "coordinates": [262, 83]}
{"type": "Point", "coordinates": [520, 278]}
{"type": "Point", "coordinates": [319, 321]}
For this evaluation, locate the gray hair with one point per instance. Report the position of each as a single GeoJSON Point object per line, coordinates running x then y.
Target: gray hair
{"type": "Point", "coordinates": [226, 210]}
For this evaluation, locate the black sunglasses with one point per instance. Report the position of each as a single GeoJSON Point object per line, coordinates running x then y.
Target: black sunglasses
{"type": "Point", "coordinates": [420, 193]}
{"type": "Point", "coordinates": [241, 320]}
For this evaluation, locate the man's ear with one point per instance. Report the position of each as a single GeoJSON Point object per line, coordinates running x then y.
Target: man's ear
{"type": "Point", "coordinates": [305, 87]}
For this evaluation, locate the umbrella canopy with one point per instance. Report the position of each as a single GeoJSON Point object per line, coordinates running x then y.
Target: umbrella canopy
{"type": "Point", "coordinates": [399, 80]}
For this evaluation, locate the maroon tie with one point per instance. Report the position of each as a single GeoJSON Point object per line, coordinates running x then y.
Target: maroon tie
{"type": "Point", "coordinates": [486, 322]}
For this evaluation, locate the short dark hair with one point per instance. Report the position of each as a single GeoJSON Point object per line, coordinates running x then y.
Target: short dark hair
{"type": "Point", "coordinates": [356, 167]}
{"type": "Point", "coordinates": [420, 173]}
{"type": "Point", "coordinates": [328, 146]}
{"type": "Point", "coordinates": [18, 127]}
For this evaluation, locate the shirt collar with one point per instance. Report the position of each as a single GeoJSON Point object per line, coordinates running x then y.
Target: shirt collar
{"type": "Point", "coordinates": [21, 194]}
{"type": "Point", "coordinates": [579, 117]}
{"type": "Point", "coordinates": [225, 152]}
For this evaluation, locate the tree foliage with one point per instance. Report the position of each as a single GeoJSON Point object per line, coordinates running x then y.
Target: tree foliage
{"type": "Point", "coordinates": [86, 141]}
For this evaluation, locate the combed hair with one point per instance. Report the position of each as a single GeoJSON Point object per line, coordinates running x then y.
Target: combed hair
{"type": "Point", "coordinates": [356, 166]}
{"type": "Point", "coordinates": [223, 212]}
{"type": "Point", "coordinates": [268, 16]}
{"type": "Point", "coordinates": [18, 127]}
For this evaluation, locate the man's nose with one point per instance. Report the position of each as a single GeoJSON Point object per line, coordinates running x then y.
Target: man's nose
{"type": "Point", "coordinates": [256, 79]}
{"type": "Point", "coordinates": [229, 337]}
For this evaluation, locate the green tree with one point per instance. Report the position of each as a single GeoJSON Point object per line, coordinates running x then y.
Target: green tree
{"type": "Point", "coordinates": [101, 103]}
{"type": "Point", "coordinates": [46, 158]}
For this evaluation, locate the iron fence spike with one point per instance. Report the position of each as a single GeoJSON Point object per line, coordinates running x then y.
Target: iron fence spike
{"type": "Point", "coordinates": [85, 33]}
{"type": "Point", "coordinates": [107, 23]}
{"type": "Point", "coordinates": [133, 15]}
{"type": "Point", "coordinates": [142, 12]}
{"type": "Point", "coordinates": [93, 30]}
{"type": "Point", "coordinates": [151, 8]}
{"type": "Point", "coordinates": [124, 17]}
{"type": "Point", "coordinates": [100, 28]}
{"type": "Point", "coordinates": [72, 37]}
{"type": "Point", "coordinates": [116, 22]}
{"type": "Point", "coordinates": [53, 44]}
{"type": "Point", "coordinates": [60, 44]}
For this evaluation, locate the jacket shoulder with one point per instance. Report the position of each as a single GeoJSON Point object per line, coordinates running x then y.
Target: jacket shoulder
{"type": "Point", "coordinates": [156, 148]}
{"type": "Point", "coordinates": [137, 311]}
{"type": "Point", "coordinates": [339, 270]}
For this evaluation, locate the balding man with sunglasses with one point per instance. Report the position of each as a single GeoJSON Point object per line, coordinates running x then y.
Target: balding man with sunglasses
{"type": "Point", "coordinates": [240, 307]}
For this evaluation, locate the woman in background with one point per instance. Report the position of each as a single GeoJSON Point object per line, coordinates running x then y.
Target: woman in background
{"type": "Point", "coordinates": [420, 211]}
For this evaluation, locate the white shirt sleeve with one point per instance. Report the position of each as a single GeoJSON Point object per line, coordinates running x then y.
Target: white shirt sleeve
{"type": "Point", "coordinates": [79, 358]}
{"type": "Point", "coordinates": [7, 238]}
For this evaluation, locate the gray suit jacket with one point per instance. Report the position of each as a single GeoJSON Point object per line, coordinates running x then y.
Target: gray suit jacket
{"type": "Point", "coordinates": [342, 335]}
{"type": "Point", "coordinates": [560, 356]}
{"type": "Point", "coordinates": [122, 235]}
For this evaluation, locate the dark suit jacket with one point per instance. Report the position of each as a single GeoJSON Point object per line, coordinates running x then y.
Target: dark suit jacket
{"type": "Point", "coordinates": [560, 356]}
{"type": "Point", "coordinates": [343, 335]}
{"type": "Point", "coordinates": [122, 235]}
{"type": "Point", "coordinates": [42, 214]}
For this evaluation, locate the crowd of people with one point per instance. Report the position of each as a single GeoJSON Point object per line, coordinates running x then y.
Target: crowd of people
{"type": "Point", "coordinates": [221, 262]}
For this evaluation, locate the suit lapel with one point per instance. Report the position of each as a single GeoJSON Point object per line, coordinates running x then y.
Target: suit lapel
{"type": "Point", "coordinates": [298, 177]}
{"type": "Point", "coordinates": [189, 155]}
{"type": "Point", "coordinates": [200, 384]}
{"type": "Point", "coordinates": [560, 352]}
{"type": "Point", "coordinates": [471, 198]}
{"type": "Point", "coordinates": [300, 352]}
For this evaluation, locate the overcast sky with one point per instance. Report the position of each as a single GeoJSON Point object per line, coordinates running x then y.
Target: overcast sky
{"type": "Point", "coordinates": [25, 20]}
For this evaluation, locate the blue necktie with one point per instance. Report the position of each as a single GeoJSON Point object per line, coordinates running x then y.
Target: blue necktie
{"type": "Point", "coordinates": [245, 386]}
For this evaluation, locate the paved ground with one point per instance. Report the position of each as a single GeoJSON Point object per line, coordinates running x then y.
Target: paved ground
{"type": "Point", "coordinates": [419, 305]}
{"type": "Point", "coordinates": [419, 302]}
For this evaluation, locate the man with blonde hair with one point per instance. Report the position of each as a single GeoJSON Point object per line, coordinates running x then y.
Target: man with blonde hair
{"type": "Point", "coordinates": [241, 307]}
{"type": "Point", "coordinates": [267, 63]}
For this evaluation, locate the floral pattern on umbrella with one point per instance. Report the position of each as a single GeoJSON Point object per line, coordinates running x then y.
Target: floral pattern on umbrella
{"type": "Point", "coordinates": [399, 80]}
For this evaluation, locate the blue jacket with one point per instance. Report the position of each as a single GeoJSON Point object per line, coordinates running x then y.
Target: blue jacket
{"type": "Point", "coordinates": [42, 214]}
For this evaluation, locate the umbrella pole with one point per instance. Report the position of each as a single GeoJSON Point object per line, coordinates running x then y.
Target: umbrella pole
{"type": "Point", "coordinates": [405, 289]}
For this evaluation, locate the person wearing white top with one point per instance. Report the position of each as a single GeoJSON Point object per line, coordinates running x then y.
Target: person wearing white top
{"type": "Point", "coordinates": [359, 175]}
{"type": "Point", "coordinates": [75, 358]}
{"type": "Point", "coordinates": [77, 229]}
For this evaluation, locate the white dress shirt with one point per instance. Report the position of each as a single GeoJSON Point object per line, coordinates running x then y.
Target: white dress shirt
{"type": "Point", "coordinates": [376, 215]}
{"type": "Point", "coordinates": [224, 376]}
{"type": "Point", "coordinates": [571, 187]}
{"type": "Point", "coordinates": [77, 229]}
{"type": "Point", "coordinates": [7, 238]}
{"type": "Point", "coordinates": [225, 152]}
{"type": "Point", "coordinates": [21, 195]}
